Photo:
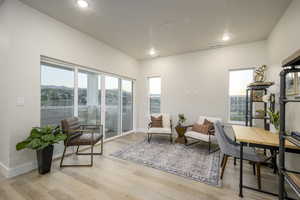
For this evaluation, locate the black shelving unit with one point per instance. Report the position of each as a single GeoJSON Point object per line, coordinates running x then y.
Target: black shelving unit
{"type": "Point", "coordinates": [250, 102]}
{"type": "Point", "coordinates": [292, 178]}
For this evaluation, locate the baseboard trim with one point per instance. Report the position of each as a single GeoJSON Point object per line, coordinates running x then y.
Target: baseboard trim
{"type": "Point", "coordinates": [29, 166]}
{"type": "Point", "coordinates": [4, 170]}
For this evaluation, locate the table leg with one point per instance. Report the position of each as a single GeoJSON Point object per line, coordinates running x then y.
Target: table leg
{"type": "Point", "coordinates": [241, 170]}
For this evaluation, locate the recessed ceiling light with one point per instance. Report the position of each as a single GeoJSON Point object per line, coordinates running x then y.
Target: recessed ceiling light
{"type": "Point", "coordinates": [82, 3]}
{"type": "Point", "coordinates": [226, 37]}
{"type": "Point", "coordinates": [152, 52]}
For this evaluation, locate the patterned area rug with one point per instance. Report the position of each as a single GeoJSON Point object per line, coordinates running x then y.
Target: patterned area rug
{"type": "Point", "coordinates": [192, 162]}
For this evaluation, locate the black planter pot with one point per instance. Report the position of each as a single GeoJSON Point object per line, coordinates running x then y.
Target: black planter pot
{"type": "Point", "coordinates": [44, 159]}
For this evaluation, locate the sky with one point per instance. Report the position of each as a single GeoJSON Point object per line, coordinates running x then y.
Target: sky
{"type": "Point", "coordinates": [155, 85]}
{"type": "Point", "coordinates": [64, 77]}
{"type": "Point", "coordinates": [238, 81]}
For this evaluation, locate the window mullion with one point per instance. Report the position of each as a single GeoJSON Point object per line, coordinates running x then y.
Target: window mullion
{"type": "Point", "coordinates": [76, 92]}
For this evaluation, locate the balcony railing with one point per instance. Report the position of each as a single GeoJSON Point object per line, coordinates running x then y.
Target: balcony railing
{"type": "Point", "coordinates": [52, 115]}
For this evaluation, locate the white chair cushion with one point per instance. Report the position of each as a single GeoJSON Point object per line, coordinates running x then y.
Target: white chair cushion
{"type": "Point", "coordinates": [166, 119]}
{"type": "Point", "coordinates": [212, 119]}
{"type": "Point", "coordinates": [160, 130]}
{"type": "Point", "coordinates": [199, 136]}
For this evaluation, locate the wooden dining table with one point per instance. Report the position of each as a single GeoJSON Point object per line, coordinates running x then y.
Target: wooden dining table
{"type": "Point", "coordinates": [260, 138]}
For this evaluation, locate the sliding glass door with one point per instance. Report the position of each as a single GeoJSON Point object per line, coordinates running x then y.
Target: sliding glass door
{"type": "Point", "coordinates": [112, 106]}
{"type": "Point", "coordinates": [89, 97]}
{"type": "Point", "coordinates": [127, 105]}
{"type": "Point", "coordinates": [94, 97]}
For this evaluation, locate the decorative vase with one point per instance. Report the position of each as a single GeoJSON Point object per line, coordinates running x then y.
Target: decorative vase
{"type": "Point", "coordinates": [44, 159]}
{"type": "Point", "coordinates": [273, 129]}
{"type": "Point", "coordinates": [181, 131]}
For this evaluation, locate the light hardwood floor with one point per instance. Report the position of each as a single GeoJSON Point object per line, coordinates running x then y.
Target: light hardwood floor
{"type": "Point", "coordinates": [111, 178]}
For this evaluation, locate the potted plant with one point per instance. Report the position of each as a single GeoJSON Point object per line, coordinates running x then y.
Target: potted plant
{"type": "Point", "coordinates": [274, 119]}
{"type": "Point", "coordinates": [42, 140]}
{"type": "Point", "coordinates": [180, 129]}
{"type": "Point", "coordinates": [181, 119]}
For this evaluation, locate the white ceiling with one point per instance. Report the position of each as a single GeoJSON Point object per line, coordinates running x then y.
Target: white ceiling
{"type": "Point", "coordinates": [171, 26]}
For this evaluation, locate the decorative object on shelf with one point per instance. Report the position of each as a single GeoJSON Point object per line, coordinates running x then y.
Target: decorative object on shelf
{"type": "Point", "coordinates": [181, 130]}
{"type": "Point", "coordinates": [257, 95]}
{"type": "Point", "coordinates": [274, 119]}
{"type": "Point", "coordinates": [260, 113]}
{"type": "Point", "coordinates": [181, 119]}
{"type": "Point", "coordinates": [259, 75]}
{"type": "Point", "coordinates": [42, 140]}
{"type": "Point", "coordinates": [291, 84]}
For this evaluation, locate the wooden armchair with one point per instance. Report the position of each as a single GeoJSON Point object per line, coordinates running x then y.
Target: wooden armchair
{"type": "Point", "coordinates": [81, 135]}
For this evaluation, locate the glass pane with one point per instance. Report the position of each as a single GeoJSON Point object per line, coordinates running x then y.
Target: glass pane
{"type": "Point", "coordinates": [57, 94]}
{"type": "Point", "coordinates": [238, 81]}
{"type": "Point", "coordinates": [155, 92]}
{"type": "Point", "coordinates": [89, 98]}
{"type": "Point", "coordinates": [112, 103]}
{"type": "Point", "coordinates": [127, 106]}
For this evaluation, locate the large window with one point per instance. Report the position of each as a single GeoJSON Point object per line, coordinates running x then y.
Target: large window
{"type": "Point", "coordinates": [57, 94]}
{"type": "Point", "coordinates": [94, 97]}
{"type": "Point", "coordinates": [89, 97]}
{"type": "Point", "coordinates": [238, 81]}
{"type": "Point", "coordinates": [127, 105]}
{"type": "Point", "coordinates": [154, 94]}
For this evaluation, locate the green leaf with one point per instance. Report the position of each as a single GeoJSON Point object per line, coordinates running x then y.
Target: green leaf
{"type": "Point", "coordinates": [22, 145]}
{"type": "Point", "coordinates": [48, 137]}
{"type": "Point", "coordinates": [35, 143]}
{"type": "Point", "coordinates": [60, 137]}
{"type": "Point", "coordinates": [35, 133]}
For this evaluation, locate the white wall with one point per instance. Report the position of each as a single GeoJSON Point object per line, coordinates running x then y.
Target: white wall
{"type": "Point", "coordinates": [197, 83]}
{"type": "Point", "coordinates": [283, 41]}
{"type": "Point", "coordinates": [32, 34]}
{"type": "Point", "coordinates": [5, 45]}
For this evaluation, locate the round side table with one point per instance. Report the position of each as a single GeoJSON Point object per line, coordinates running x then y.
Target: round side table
{"type": "Point", "coordinates": [181, 137]}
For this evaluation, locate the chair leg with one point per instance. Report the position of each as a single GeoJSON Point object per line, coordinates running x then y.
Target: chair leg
{"type": "Point", "coordinates": [223, 166]}
{"type": "Point", "coordinates": [208, 146]}
{"type": "Point", "coordinates": [63, 156]}
{"type": "Point", "coordinates": [234, 161]}
{"type": "Point", "coordinates": [149, 137]}
{"type": "Point", "coordinates": [222, 160]}
{"type": "Point", "coordinates": [171, 139]}
{"type": "Point", "coordinates": [258, 176]}
{"type": "Point", "coordinates": [90, 154]}
{"type": "Point", "coordinates": [77, 150]}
